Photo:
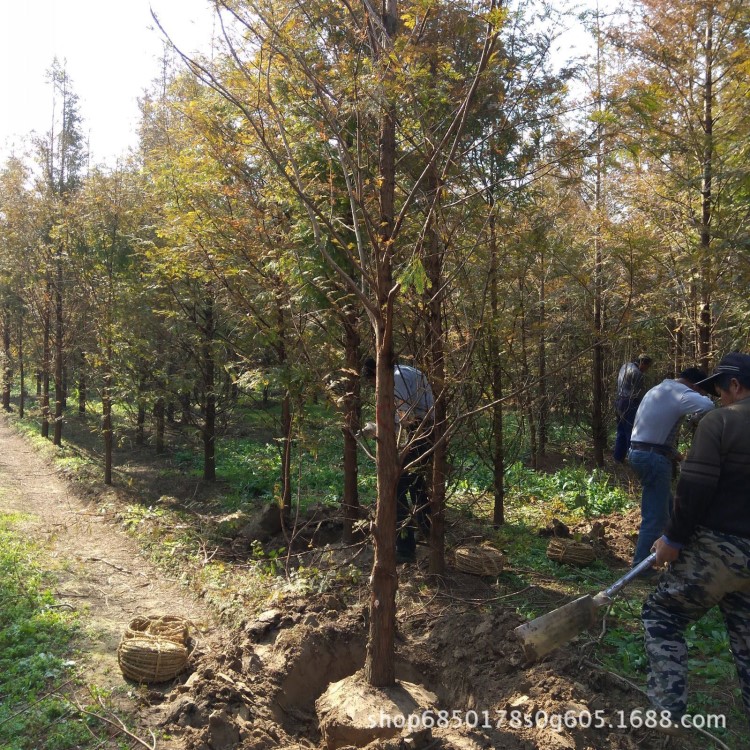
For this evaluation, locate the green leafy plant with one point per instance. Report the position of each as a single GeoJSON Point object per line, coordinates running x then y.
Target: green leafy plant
{"type": "Point", "coordinates": [269, 561]}
{"type": "Point", "coordinates": [573, 490]}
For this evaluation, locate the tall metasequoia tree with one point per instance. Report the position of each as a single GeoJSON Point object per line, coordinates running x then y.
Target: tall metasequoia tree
{"type": "Point", "coordinates": [105, 220]}
{"type": "Point", "coordinates": [17, 235]}
{"type": "Point", "coordinates": [63, 157]}
{"type": "Point", "coordinates": [336, 99]}
{"type": "Point", "coordinates": [186, 258]}
{"type": "Point", "coordinates": [686, 94]}
{"type": "Point", "coordinates": [598, 427]}
{"type": "Point", "coordinates": [439, 250]}
{"type": "Point", "coordinates": [511, 152]}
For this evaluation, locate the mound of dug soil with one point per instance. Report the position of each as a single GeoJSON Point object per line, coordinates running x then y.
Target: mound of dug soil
{"type": "Point", "coordinates": [261, 692]}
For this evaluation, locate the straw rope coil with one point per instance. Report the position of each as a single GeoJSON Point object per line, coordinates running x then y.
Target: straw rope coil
{"type": "Point", "coordinates": [154, 648]}
{"type": "Point", "coordinates": [151, 658]}
{"type": "Point", "coordinates": [479, 560]}
{"type": "Point", "coordinates": [570, 552]}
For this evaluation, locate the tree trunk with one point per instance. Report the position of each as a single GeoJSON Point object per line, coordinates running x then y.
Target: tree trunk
{"type": "Point", "coordinates": [209, 404]}
{"type": "Point", "coordinates": [21, 371]}
{"type": "Point", "coordinates": [46, 360]}
{"type": "Point", "coordinates": [543, 407]}
{"type": "Point", "coordinates": [159, 417]}
{"type": "Point", "coordinates": [65, 387]}
{"type": "Point", "coordinates": [184, 398]}
{"type": "Point", "coordinates": [380, 662]}
{"type": "Point", "coordinates": [498, 448]}
{"type": "Point", "coordinates": [352, 414]}
{"type": "Point", "coordinates": [599, 432]}
{"type": "Point", "coordinates": [526, 400]}
{"type": "Point", "coordinates": [380, 666]}
{"type": "Point", "coordinates": [434, 270]}
{"type": "Point", "coordinates": [286, 411]}
{"type": "Point", "coordinates": [59, 389]}
{"type": "Point", "coordinates": [107, 421]}
{"type": "Point", "coordinates": [7, 370]}
{"type": "Point", "coordinates": [680, 347]}
{"type": "Point", "coordinates": [705, 323]}
{"type": "Point", "coordinates": [286, 453]}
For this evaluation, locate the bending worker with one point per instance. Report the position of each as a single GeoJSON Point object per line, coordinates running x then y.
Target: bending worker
{"type": "Point", "coordinates": [653, 448]}
{"type": "Point", "coordinates": [415, 409]}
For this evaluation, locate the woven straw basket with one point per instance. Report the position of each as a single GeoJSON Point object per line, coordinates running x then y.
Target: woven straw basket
{"type": "Point", "coordinates": [154, 649]}
{"type": "Point", "coordinates": [171, 627]}
{"type": "Point", "coordinates": [479, 560]}
{"type": "Point", "coordinates": [570, 552]}
{"type": "Point", "coordinates": [151, 659]}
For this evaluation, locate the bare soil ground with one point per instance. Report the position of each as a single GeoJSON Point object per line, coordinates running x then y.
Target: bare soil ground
{"type": "Point", "coordinates": [254, 686]}
{"type": "Point", "coordinates": [98, 569]}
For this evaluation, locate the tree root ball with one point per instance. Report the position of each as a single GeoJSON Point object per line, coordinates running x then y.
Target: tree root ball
{"type": "Point", "coordinates": [352, 712]}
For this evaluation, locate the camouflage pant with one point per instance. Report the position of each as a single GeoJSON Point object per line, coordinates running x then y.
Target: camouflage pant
{"type": "Point", "coordinates": [713, 569]}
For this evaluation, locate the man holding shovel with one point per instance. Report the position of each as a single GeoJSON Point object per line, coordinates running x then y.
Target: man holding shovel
{"type": "Point", "coordinates": [706, 544]}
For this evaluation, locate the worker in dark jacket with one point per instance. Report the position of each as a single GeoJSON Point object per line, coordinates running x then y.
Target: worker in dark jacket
{"type": "Point", "coordinates": [414, 417]}
{"type": "Point", "coordinates": [706, 544]}
{"type": "Point", "coordinates": [631, 385]}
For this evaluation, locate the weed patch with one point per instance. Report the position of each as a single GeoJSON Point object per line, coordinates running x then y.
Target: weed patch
{"type": "Point", "coordinates": [573, 490]}
{"type": "Point", "coordinates": [35, 642]}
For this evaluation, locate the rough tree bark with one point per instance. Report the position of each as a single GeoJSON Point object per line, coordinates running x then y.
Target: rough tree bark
{"type": "Point", "coordinates": [7, 370]}
{"type": "Point", "coordinates": [82, 385]}
{"type": "Point", "coordinates": [209, 394]}
{"type": "Point", "coordinates": [380, 662]}
{"type": "Point", "coordinates": [46, 360]}
{"type": "Point", "coordinates": [352, 410]}
{"type": "Point", "coordinates": [435, 338]}
{"type": "Point", "coordinates": [59, 353]}
{"type": "Point", "coordinates": [498, 449]}
{"type": "Point", "coordinates": [107, 417]}
{"type": "Point", "coordinates": [705, 322]}
{"type": "Point", "coordinates": [21, 369]}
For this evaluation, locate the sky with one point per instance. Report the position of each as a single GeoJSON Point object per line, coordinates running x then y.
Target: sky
{"type": "Point", "coordinates": [111, 52]}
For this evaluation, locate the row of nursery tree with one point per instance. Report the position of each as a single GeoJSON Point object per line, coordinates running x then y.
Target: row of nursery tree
{"type": "Point", "coordinates": [422, 181]}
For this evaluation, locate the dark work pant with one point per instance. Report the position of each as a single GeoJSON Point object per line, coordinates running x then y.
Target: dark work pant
{"type": "Point", "coordinates": [626, 410]}
{"type": "Point", "coordinates": [412, 492]}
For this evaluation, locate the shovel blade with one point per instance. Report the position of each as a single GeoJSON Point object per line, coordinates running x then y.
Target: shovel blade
{"type": "Point", "coordinates": [548, 632]}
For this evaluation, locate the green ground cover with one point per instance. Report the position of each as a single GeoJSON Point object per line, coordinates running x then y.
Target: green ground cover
{"type": "Point", "coordinates": [36, 642]}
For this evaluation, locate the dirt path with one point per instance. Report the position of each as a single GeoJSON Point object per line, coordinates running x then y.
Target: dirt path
{"type": "Point", "coordinates": [99, 569]}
